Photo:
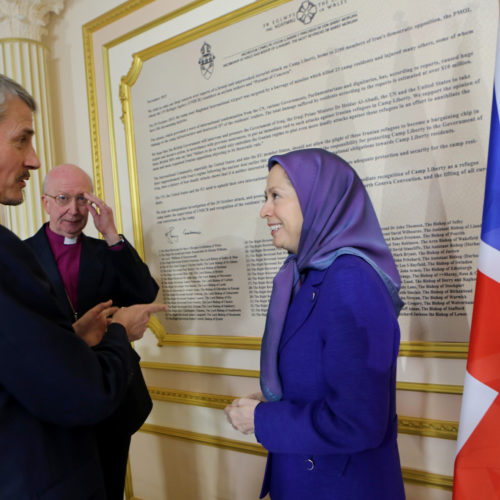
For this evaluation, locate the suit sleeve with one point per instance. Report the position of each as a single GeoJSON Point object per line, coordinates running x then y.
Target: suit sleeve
{"type": "Point", "coordinates": [358, 344]}
{"type": "Point", "coordinates": [135, 283]}
{"type": "Point", "coordinates": [44, 366]}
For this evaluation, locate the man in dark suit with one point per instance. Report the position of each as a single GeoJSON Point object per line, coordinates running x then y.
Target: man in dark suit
{"type": "Point", "coordinates": [53, 386]}
{"type": "Point", "coordinates": [85, 271]}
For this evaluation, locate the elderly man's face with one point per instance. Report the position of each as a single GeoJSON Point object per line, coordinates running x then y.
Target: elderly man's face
{"type": "Point", "coordinates": [17, 155]}
{"type": "Point", "coordinates": [70, 219]}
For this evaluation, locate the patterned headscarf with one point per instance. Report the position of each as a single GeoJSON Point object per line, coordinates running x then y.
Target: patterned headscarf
{"type": "Point", "coordinates": [338, 219]}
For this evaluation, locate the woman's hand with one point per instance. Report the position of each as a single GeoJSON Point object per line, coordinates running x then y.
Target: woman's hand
{"type": "Point", "coordinates": [257, 395]}
{"type": "Point", "coordinates": [240, 414]}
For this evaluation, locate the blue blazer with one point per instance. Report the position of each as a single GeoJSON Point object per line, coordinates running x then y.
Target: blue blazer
{"type": "Point", "coordinates": [333, 435]}
{"type": "Point", "coordinates": [122, 276]}
{"type": "Point", "coordinates": [53, 387]}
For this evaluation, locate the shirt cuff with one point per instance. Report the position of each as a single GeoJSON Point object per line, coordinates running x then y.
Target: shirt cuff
{"type": "Point", "coordinates": [118, 245]}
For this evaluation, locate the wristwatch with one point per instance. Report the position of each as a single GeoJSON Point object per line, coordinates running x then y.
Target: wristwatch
{"type": "Point", "coordinates": [121, 240]}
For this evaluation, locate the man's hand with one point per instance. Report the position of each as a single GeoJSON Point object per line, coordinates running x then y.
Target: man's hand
{"type": "Point", "coordinates": [135, 318]}
{"type": "Point", "coordinates": [93, 324]}
{"type": "Point", "coordinates": [240, 414]}
{"type": "Point", "coordinates": [103, 219]}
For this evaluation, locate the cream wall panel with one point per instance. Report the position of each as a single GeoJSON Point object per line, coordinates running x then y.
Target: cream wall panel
{"type": "Point", "coordinates": [429, 405]}
{"type": "Point", "coordinates": [205, 383]}
{"type": "Point", "coordinates": [431, 370]}
{"type": "Point", "coordinates": [418, 492]}
{"type": "Point", "coordinates": [228, 358]}
{"type": "Point", "coordinates": [178, 469]}
{"type": "Point", "coordinates": [195, 419]}
{"type": "Point", "coordinates": [427, 454]}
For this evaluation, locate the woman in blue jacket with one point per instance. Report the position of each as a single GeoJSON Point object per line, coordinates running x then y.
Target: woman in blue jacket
{"type": "Point", "coordinates": [328, 361]}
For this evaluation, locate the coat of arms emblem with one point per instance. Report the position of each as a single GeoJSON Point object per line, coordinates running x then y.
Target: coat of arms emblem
{"type": "Point", "coordinates": [306, 12]}
{"type": "Point", "coordinates": [206, 61]}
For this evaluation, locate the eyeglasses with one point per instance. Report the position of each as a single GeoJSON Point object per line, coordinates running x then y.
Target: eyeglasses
{"type": "Point", "coordinates": [65, 199]}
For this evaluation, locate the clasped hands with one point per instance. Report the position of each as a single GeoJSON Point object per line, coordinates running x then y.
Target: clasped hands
{"type": "Point", "coordinates": [92, 326]}
{"type": "Point", "coordinates": [240, 413]}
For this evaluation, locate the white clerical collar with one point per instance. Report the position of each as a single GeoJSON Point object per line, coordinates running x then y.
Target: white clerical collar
{"type": "Point", "coordinates": [70, 241]}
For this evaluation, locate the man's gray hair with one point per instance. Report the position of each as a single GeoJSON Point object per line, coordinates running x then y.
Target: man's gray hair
{"type": "Point", "coordinates": [10, 88]}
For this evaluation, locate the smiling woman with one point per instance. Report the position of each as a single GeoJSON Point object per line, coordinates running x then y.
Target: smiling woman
{"type": "Point", "coordinates": [282, 210]}
{"type": "Point", "coordinates": [328, 359]}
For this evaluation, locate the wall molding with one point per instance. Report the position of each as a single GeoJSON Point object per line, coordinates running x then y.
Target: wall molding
{"type": "Point", "coordinates": [208, 439]}
{"type": "Point", "coordinates": [115, 14]}
{"type": "Point", "coordinates": [422, 349]}
{"type": "Point", "coordinates": [416, 349]}
{"type": "Point", "coordinates": [207, 370]}
{"type": "Point", "coordinates": [410, 475]}
{"type": "Point", "coordinates": [218, 341]}
{"type": "Point", "coordinates": [428, 479]}
{"type": "Point", "coordinates": [239, 372]}
{"type": "Point", "coordinates": [217, 401]}
{"type": "Point", "coordinates": [442, 429]}
{"type": "Point", "coordinates": [434, 388]}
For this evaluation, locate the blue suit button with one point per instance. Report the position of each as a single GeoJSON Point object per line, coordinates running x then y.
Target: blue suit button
{"type": "Point", "coordinates": [310, 464]}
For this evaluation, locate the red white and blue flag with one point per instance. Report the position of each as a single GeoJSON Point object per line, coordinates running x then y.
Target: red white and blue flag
{"type": "Point", "coordinates": [477, 464]}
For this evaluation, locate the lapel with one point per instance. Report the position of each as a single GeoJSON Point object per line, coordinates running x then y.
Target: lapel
{"type": "Point", "coordinates": [89, 274]}
{"type": "Point", "coordinates": [302, 305]}
{"type": "Point", "coordinates": [42, 249]}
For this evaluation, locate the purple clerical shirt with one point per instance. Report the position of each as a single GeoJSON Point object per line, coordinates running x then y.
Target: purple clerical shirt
{"type": "Point", "coordinates": [67, 256]}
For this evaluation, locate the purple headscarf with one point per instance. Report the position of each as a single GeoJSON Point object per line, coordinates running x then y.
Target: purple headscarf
{"type": "Point", "coordinates": [338, 218]}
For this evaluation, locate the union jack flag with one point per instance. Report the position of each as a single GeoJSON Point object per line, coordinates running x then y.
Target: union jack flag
{"type": "Point", "coordinates": [477, 464]}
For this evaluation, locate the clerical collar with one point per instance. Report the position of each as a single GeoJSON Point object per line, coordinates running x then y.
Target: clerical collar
{"type": "Point", "coordinates": [59, 239]}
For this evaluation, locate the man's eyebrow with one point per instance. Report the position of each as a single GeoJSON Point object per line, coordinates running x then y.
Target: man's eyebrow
{"type": "Point", "coordinates": [28, 131]}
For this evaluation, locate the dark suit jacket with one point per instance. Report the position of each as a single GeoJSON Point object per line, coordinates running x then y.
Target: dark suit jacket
{"type": "Point", "coordinates": [52, 386]}
{"type": "Point", "coordinates": [333, 435]}
{"type": "Point", "coordinates": [106, 274]}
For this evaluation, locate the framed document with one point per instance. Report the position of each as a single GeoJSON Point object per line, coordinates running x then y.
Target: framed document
{"type": "Point", "coordinates": [401, 92]}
